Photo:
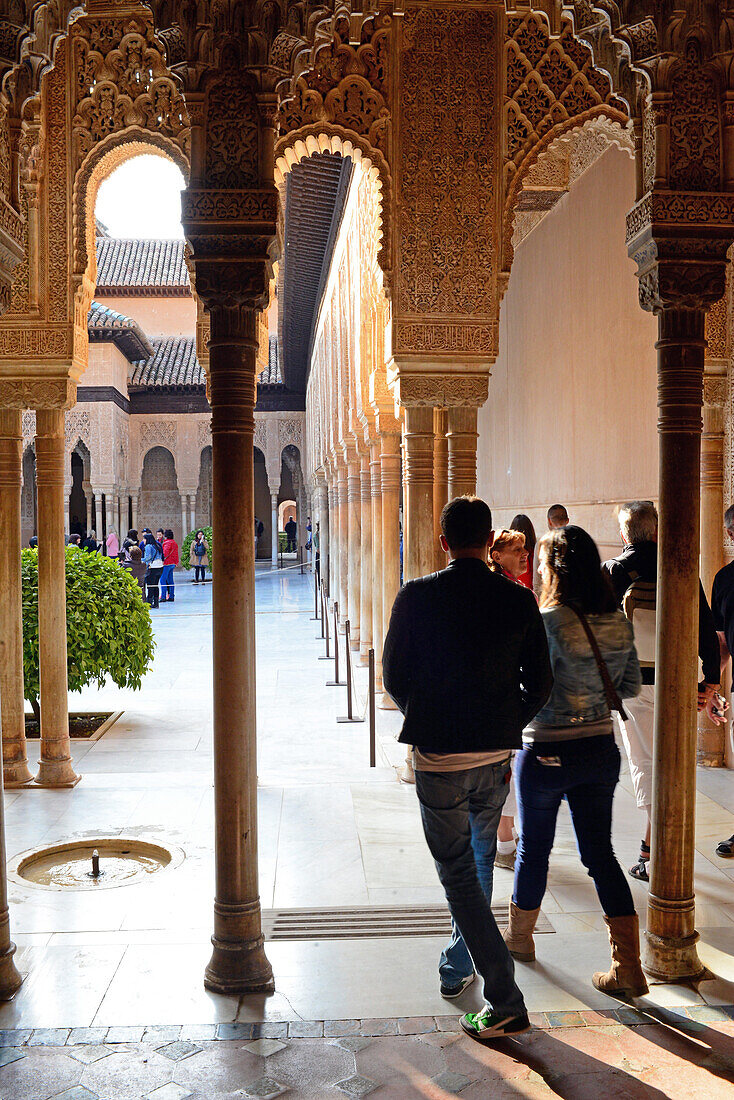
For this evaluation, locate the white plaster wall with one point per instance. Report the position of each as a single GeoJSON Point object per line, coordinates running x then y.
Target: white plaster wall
{"type": "Point", "coordinates": [571, 415]}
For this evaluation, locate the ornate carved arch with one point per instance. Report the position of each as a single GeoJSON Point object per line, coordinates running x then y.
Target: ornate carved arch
{"type": "Point", "coordinates": [552, 89]}
{"type": "Point", "coordinates": [338, 102]}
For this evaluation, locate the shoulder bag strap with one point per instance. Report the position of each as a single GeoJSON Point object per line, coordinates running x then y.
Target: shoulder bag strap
{"type": "Point", "coordinates": [613, 700]}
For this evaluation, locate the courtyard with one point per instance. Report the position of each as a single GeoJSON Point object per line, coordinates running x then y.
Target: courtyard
{"type": "Point", "coordinates": [113, 996]}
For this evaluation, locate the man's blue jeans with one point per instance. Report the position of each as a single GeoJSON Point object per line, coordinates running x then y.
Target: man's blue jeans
{"type": "Point", "coordinates": [460, 813]}
{"type": "Point", "coordinates": [167, 588]}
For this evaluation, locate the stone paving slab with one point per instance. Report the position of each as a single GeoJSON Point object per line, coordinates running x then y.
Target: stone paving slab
{"type": "Point", "coordinates": [182, 1039]}
{"type": "Point", "coordinates": [668, 1056]}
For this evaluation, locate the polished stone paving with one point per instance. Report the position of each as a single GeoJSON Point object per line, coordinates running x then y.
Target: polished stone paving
{"type": "Point", "coordinates": [618, 1055]}
{"type": "Point", "coordinates": [125, 964]}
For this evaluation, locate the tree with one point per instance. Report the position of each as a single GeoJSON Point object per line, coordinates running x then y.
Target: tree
{"type": "Point", "coordinates": [186, 548]}
{"type": "Point", "coordinates": [108, 626]}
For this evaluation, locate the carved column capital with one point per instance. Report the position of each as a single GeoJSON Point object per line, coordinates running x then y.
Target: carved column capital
{"type": "Point", "coordinates": [37, 393]}
{"type": "Point", "coordinates": [679, 241]}
{"type": "Point", "coordinates": [440, 390]}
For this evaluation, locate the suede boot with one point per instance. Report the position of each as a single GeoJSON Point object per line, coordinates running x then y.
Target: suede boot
{"type": "Point", "coordinates": [519, 933]}
{"type": "Point", "coordinates": [625, 977]}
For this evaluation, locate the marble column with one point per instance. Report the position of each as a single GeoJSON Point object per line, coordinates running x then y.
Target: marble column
{"type": "Point", "coordinates": [89, 519]}
{"type": "Point", "coordinates": [192, 513]}
{"type": "Point", "coordinates": [712, 738]}
{"type": "Point", "coordinates": [322, 500]}
{"type": "Point", "coordinates": [376, 504]}
{"type": "Point", "coordinates": [390, 476]}
{"type": "Point", "coordinates": [418, 554]}
{"type": "Point", "coordinates": [670, 941]}
{"type": "Point", "coordinates": [55, 766]}
{"type": "Point", "coordinates": [135, 510]}
{"type": "Point", "coordinates": [238, 964]}
{"type": "Point", "coordinates": [273, 530]}
{"type": "Point", "coordinates": [342, 497]}
{"type": "Point", "coordinates": [354, 503]}
{"type": "Point", "coordinates": [97, 514]}
{"type": "Point", "coordinates": [440, 479]}
{"type": "Point", "coordinates": [462, 450]}
{"type": "Point", "coordinates": [110, 510]}
{"type": "Point", "coordinates": [366, 574]}
{"type": "Point", "coordinates": [15, 765]}
{"type": "Point", "coordinates": [333, 581]}
{"type": "Point", "coordinates": [184, 515]}
{"type": "Point", "coordinates": [12, 704]}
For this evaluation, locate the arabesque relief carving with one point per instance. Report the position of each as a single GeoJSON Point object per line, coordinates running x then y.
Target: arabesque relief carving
{"type": "Point", "coordinates": [445, 271]}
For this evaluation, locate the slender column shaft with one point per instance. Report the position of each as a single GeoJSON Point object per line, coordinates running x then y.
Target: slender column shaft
{"type": "Point", "coordinates": [366, 577]}
{"type": "Point", "coordinates": [15, 759]}
{"type": "Point", "coordinates": [109, 509]}
{"type": "Point", "coordinates": [354, 498]}
{"type": "Point", "coordinates": [238, 964]}
{"type": "Point", "coordinates": [55, 766]}
{"type": "Point", "coordinates": [711, 738]}
{"type": "Point", "coordinates": [342, 497]}
{"type": "Point", "coordinates": [273, 531]}
{"type": "Point", "coordinates": [376, 503]}
{"type": "Point", "coordinates": [670, 948]}
{"type": "Point", "coordinates": [135, 511]}
{"type": "Point", "coordinates": [418, 556]}
{"type": "Point", "coordinates": [390, 476]}
{"type": "Point", "coordinates": [192, 513]}
{"type": "Point", "coordinates": [98, 514]}
{"type": "Point", "coordinates": [334, 528]}
{"type": "Point", "coordinates": [462, 451]}
{"type": "Point", "coordinates": [11, 665]}
{"type": "Point", "coordinates": [184, 514]}
{"type": "Point", "coordinates": [324, 532]}
{"type": "Point", "coordinates": [440, 479]}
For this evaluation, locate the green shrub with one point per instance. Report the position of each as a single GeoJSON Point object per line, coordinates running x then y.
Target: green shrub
{"type": "Point", "coordinates": [108, 627]}
{"type": "Point", "coordinates": [282, 541]}
{"type": "Point", "coordinates": [186, 548]}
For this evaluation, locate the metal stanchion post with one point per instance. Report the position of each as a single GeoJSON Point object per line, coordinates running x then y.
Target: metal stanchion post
{"type": "Point", "coordinates": [349, 717]}
{"type": "Point", "coordinates": [336, 682]}
{"type": "Point", "coordinates": [300, 560]}
{"type": "Point", "coordinates": [315, 616]}
{"type": "Point", "coordinates": [324, 624]}
{"type": "Point", "coordinates": [372, 710]}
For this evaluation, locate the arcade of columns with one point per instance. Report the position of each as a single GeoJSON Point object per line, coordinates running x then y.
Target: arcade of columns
{"type": "Point", "coordinates": [446, 107]}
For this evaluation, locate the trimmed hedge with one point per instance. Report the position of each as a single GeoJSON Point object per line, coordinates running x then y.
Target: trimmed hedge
{"type": "Point", "coordinates": [186, 548]}
{"type": "Point", "coordinates": [108, 626]}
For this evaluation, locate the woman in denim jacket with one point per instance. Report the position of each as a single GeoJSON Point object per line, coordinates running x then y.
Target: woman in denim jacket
{"type": "Point", "coordinates": [569, 752]}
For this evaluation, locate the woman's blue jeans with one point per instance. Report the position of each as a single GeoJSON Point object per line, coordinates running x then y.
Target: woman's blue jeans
{"type": "Point", "coordinates": [586, 776]}
{"type": "Point", "coordinates": [167, 587]}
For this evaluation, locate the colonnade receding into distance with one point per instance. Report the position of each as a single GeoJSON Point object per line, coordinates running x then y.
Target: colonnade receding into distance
{"type": "Point", "coordinates": [374, 86]}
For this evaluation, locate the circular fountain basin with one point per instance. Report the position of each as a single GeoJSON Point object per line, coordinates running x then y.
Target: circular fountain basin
{"type": "Point", "coordinates": [67, 866]}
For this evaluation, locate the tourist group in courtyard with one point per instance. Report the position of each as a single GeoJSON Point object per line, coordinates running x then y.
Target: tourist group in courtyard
{"type": "Point", "coordinates": [150, 557]}
{"type": "Point", "coordinates": [510, 667]}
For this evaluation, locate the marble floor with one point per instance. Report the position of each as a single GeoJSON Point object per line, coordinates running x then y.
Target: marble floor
{"type": "Point", "coordinates": [333, 833]}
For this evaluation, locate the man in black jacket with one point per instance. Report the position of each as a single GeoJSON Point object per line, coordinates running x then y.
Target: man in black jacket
{"type": "Point", "coordinates": [635, 568]}
{"type": "Point", "coordinates": [466, 661]}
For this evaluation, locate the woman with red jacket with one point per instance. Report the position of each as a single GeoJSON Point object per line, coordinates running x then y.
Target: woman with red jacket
{"type": "Point", "coordinates": [170, 561]}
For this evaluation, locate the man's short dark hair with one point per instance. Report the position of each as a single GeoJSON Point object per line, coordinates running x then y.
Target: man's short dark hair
{"type": "Point", "coordinates": [556, 511]}
{"type": "Point", "coordinates": [466, 523]}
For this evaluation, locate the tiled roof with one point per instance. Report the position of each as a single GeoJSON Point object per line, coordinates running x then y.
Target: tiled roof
{"type": "Point", "coordinates": [172, 363]}
{"type": "Point", "coordinates": [271, 376]}
{"type": "Point", "coordinates": [142, 267]}
{"type": "Point", "coordinates": [105, 324]}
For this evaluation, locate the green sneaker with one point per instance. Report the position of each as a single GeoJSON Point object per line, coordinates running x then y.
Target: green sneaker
{"type": "Point", "coordinates": [487, 1025]}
